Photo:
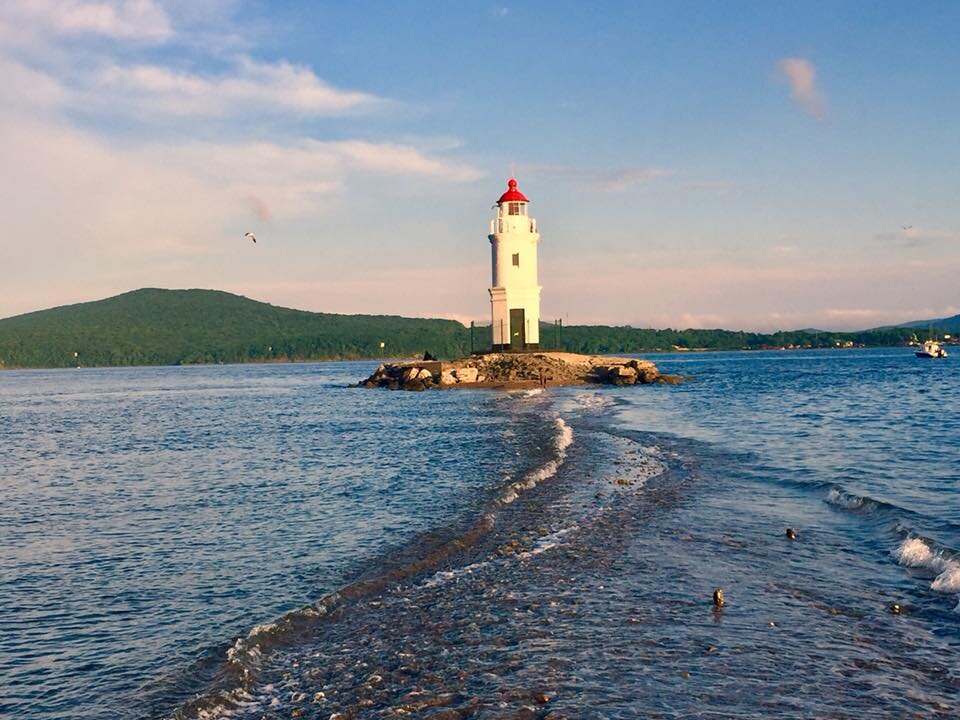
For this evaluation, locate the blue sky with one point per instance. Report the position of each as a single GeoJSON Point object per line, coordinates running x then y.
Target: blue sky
{"type": "Point", "coordinates": [745, 165]}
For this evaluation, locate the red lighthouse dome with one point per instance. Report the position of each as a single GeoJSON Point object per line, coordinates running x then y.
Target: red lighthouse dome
{"type": "Point", "coordinates": [512, 194]}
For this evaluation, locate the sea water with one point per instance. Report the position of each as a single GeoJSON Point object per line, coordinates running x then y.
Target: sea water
{"type": "Point", "coordinates": [263, 541]}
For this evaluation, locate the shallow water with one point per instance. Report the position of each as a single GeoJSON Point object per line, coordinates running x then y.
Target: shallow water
{"type": "Point", "coordinates": [483, 554]}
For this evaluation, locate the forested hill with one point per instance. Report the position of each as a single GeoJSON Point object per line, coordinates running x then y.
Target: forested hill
{"type": "Point", "coordinates": [170, 327]}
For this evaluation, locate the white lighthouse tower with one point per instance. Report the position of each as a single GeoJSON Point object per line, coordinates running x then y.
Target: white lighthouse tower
{"type": "Point", "coordinates": [515, 293]}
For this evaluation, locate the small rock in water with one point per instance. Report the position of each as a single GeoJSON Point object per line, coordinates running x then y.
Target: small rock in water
{"type": "Point", "coordinates": [718, 597]}
{"type": "Point", "coordinates": [541, 698]}
{"type": "Point", "coordinates": [895, 609]}
{"type": "Point", "coordinates": [791, 534]}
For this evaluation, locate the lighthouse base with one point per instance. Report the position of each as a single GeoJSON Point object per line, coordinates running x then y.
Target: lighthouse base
{"type": "Point", "coordinates": [526, 347]}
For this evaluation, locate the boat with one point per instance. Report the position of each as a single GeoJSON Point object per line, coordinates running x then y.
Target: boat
{"type": "Point", "coordinates": [931, 349]}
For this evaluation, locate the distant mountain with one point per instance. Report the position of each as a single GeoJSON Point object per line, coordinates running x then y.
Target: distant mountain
{"type": "Point", "coordinates": [171, 327]}
{"type": "Point", "coordinates": [942, 325]}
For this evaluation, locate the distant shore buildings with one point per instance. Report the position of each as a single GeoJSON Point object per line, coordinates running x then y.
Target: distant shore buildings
{"type": "Point", "coordinates": [514, 291]}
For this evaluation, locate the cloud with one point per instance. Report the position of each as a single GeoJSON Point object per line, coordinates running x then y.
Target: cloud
{"type": "Point", "coordinates": [25, 89]}
{"type": "Point", "coordinates": [251, 88]}
{"type": "Point", "coordinates": [914, 236]}
{"type": "Point", "coordinates": [121, 19]}
{"type": "Point", "coordinates": [395, 159]}
{"type": "Point", "coordinates": [670, 289]}
{"type": "Point", "coordinates": [608, 180]}
{"type": "Point", "coordinates": [801, 75]}
{"type": "Point", "coordinates": [717, 187]}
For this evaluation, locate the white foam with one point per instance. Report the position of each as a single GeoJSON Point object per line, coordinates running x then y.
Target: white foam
{"type": "Point", "coordinates": [949, 580]}
{"type": "Point", "coordinates": [916, 553]}
{"type": "Point", "coordinates": [561, 441]}
{"type": "Point", "coordinates": [549, 542]}
{"type": "Point", "coordinates": [445, 576]}
{"type": "Point", "coordinates": [844, 499]}
{"type": "Point", "coordinates": [594, 400]}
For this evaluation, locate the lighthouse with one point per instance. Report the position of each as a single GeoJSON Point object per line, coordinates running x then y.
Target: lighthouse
{"type": "Point", "coordinates": [514, 291]}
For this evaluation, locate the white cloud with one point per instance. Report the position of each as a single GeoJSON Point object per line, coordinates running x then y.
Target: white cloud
{"type": "Point", "coordinates": [250, 89]}
{"type": "Point", "coordinates": [25, 89]}
{"type": "Point", "coordinates": [801, 76]}
{"type": "Point", "coordinates": [122, 19]}
{"type": "Point", "coordinates": [603, 180]}
{"type": "Point", "coordinates": [395, 159]}
{"type": "Point", "coordinates": [84, 216]}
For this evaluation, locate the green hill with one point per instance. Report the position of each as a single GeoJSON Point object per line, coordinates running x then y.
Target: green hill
{"type": "Point", "coordinates": [174, 327]}
{"type": "Point", "coordinates": [171, 327]}
{"type": "Point", "coordinates": [938, 326]}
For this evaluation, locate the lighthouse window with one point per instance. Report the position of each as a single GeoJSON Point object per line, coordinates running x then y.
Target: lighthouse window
{"type": "Point", "coordinates": [516, 259]}
{"type": "Point", "coordinates": [514, 208]}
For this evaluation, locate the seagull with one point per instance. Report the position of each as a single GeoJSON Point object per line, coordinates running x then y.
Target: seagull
{"type": "Point", "coordinates": [906, 227]}
{"type": "Point", "coordinates": [251, 236]}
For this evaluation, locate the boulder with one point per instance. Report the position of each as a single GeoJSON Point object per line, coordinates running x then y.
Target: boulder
{"type": "Point", "coordinates": [424, 374]}
{"type": "Point", "coordinates": [467, 374]}
{"type": "Point", "coordinates": [411, 374]}
{"type": "Point", "coordinates": [622, 375]}
{"type": "Point", "coordinates": [447, 378]}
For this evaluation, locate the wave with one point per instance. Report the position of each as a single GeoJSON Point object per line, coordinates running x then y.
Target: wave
{"type": "Point", "coordinates": [916, 552]}
{"type": "Point", "coordinates": [246, 657]}
{"type": "Point", "coordinates": [561, 441]}
{"type": "Point", "coordinates": [847, 500]}
{"type": "Point", "coordinates": [541, 545]}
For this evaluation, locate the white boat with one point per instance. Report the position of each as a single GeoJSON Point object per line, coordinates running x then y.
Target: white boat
{"type": "Point", "coordinates": [931, 349]}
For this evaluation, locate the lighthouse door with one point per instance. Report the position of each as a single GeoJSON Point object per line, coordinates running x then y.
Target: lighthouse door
{"type": "Point", "coordinates": [518, 326]}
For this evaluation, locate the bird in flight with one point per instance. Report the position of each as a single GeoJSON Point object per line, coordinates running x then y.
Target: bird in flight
{"type": "Point", "coordinates": [251, 236]}
{"type": "Point", "coordinates": [906, 227]}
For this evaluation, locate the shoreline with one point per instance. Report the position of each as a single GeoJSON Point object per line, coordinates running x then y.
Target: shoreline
{"type": "Point", "coordinates": [401, 359]}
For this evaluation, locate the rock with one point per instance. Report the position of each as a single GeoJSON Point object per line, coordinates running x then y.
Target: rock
{"type": "Point", "coordinates": [414, 385]}
{"type": "Point", "coordinates": [791, 534]}
{"type": "Point", "coordinates": [522, 369]}
{"type": "Point", "coordinates": [467, 374]}
{"type": "Point", "coordinates": [718, 598]}
{"type": "Point", "coordinates": [623, 375]}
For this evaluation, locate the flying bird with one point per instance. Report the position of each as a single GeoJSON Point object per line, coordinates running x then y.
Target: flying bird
{"type": "Point", "coordinates": [906, 227]}
{"type": "Point", "coordinates": [251, 236]}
